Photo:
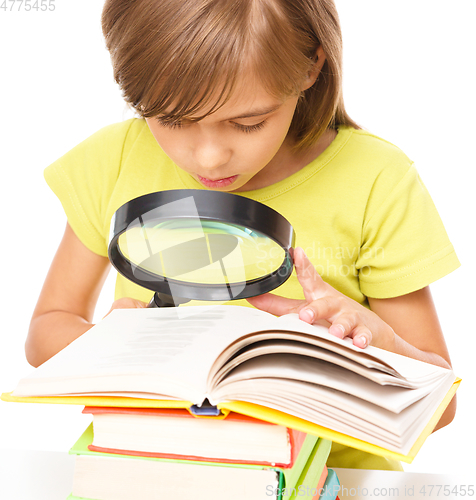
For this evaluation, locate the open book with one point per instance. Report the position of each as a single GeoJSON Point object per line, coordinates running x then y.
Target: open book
{"type": "Point", "coordinates": [282, 370]}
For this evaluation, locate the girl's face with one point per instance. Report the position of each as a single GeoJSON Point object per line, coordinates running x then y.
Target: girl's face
{"type": "Point", "coordinates": [240, 147]}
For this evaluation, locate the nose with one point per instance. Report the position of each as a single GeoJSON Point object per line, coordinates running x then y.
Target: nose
{"type": "Point", "coordinates": [210, 152]}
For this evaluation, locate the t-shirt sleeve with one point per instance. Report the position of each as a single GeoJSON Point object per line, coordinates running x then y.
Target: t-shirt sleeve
{"type": "Point", "coordinates": [84, 179]}
{"type": "Point", "coordinates": [405, 245]}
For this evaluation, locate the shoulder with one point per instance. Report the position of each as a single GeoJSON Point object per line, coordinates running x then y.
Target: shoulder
{"type": "Point", "coordinates": [120, 130]}
{"type": "Point", "coordinates": [367, 139]}
{"type": "Point", "coordinates": [101, 153]}
{"type": "Point", "coordinates": [85, 178]}
{"type": "Point", "coordinates": [376, 166]}
{"type": "Point", "coordinates": [376, 154]}
{"type": "Point", "coordinates": [114, 137]}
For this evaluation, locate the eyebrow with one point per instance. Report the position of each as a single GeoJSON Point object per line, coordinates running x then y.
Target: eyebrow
{"type": "Point", "coordinates": [257, 112]}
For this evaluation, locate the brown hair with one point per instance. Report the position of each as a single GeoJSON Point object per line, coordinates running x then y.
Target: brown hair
{"type": "Point", "coordinates": [187, 55]}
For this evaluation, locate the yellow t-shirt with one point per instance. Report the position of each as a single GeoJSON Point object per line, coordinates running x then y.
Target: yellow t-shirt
{"type": "Point", "coordinates": [360, 211]}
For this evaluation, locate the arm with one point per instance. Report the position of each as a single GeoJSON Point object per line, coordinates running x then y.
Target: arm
{"type": "Point", "coordinates": [418, 333]}
{"type": "Point", "coordinates": [407, 325]}
{"type": "Point", "coordinates": [65, 308]}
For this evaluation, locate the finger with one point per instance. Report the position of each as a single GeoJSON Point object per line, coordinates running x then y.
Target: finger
{"type": "Point", "coordinates": [327, 308]}
{"type": "Point", "coordinates": [275, 304]}
{"type": "Point", "coordinates": [361, 336]}
{"type": "Point", "coordinates": [313, 285]}
{"type": "Point", "coordinates": [108, 312]}
{"type": "Point", "coordinates": [126, 303]}
{"type": "Point", "coordinates": [348, 326]}
{"type": "Point", "coordinates": [343, 325]}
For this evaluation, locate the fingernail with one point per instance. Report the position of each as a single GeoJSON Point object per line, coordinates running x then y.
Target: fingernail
{"type": "Point", "coordinates": [338, 331]}
{"type": "Point", "coordinates": [307, 315]}
{"type": "Point", "coordinates": [361, 341]}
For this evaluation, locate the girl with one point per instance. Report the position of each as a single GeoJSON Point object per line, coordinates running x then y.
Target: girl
{"type": "Point", "coordinates": [245, 96]}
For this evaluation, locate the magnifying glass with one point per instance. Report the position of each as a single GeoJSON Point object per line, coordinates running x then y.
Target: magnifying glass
{"type": "Point", "coordinates": [192, 244]}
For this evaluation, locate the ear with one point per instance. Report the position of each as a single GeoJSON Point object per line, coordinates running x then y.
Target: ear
{"type": "Point", "coordinates": [320, 59]}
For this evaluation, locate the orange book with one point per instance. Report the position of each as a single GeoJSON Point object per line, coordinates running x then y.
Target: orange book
{"type": "Point", "coordinates": [175, 433]}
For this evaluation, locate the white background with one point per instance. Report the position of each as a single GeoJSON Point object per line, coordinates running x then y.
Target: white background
{"type": "Point", "coordinates": [408, 77]}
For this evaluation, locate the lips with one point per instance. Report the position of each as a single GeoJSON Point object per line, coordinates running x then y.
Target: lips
{"type": "Point", "coordinates": [218, 183]}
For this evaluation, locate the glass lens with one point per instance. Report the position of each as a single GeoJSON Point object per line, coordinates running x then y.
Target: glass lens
{"type": "Point", "coordinates": [200, 251]}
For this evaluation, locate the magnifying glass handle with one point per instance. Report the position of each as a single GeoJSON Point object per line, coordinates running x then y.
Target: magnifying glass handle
{"type": "Point", "coordinates": [164, 300]}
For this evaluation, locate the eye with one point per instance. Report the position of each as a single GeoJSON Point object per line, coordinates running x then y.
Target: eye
{"type": "Point", "coordinates": [249, 128]}
{"type": "Point", "coordinates": [168, 123]}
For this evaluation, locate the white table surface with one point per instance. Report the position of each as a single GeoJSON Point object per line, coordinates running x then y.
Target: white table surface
{"type": "Point", "coordinates": [35, 475]}
{"type": "Point", "coordinates": [48, 475]}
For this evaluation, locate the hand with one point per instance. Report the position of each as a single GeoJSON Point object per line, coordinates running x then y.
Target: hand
{"type": "Point", "coordinates": [347, 317]}
{"type": "Point", "coordinates": [126, 303]}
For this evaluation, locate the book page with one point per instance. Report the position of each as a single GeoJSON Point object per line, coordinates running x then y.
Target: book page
{"type": "Point", "coordinates": [331, 402]}
{"type": "Point", "coordinates": [157, 351]}
{"type": "Point", "coordinates": [319, 372]}
{"type": "Point", "coordinates": [339, 411]}
{"type": "Point", "coordinates": [342, 352]}
{"type": "Point", "coordinates": [274, 343]}
{"type": "Point", "coordinates": [410, 369]}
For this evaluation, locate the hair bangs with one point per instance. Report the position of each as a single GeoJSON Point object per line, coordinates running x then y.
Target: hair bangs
{"type": "Point", "coordinates": [185, 61]}
{"type": "Point", "coordinates": [189, 92]}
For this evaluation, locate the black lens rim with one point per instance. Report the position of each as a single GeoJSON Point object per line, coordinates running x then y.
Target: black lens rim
{"type": "Point", "coordinates": [214, 206]}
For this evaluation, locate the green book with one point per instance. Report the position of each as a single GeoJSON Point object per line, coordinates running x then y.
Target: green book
{"type": "Point", "coordinates": [311, 473]}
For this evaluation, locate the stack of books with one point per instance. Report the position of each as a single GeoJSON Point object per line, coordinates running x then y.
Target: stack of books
{"type": "Point", "coordinates": [155, 453]}
{"type": "Point", "coordinates": [231, 360]}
